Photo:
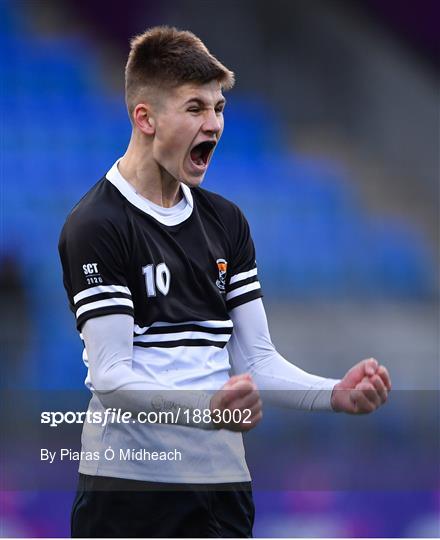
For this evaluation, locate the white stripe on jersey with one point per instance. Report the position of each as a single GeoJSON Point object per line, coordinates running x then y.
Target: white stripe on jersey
{"type": "Point", "coordinates": [208, 324]}
{"type": "Point", "coordinates": [104, 303]}
{"type": "Point", "coordinates": [242, 276]}
{"type": "Point", "coordinates": [181, 335]}
{"type": "Point", "coordinates": [100, 289]}
{"type": "Point", "coordinates": [243, 290]}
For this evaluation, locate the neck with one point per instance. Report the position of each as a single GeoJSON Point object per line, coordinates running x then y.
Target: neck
{"type": "Point", "coordinates": [148, 178]}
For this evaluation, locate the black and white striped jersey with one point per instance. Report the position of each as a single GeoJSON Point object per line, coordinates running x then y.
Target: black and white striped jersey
{"type": "Point", "coordinates": [177, 271]}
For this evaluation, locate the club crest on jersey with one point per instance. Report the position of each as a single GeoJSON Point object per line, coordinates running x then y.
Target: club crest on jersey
{"type": "Point", "coordinates": [222, 267]}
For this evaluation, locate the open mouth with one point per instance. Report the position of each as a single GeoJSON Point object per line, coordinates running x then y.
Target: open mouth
{"type": "Point", "coordinates": [201, 153]}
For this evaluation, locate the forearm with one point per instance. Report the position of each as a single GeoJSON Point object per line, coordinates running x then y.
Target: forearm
{"type": "Point", "coordinates": [109, 346]}
{"type": "Point", "coordinates": [281, 382]}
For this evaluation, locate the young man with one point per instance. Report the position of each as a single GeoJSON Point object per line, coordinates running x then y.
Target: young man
{"type": "Point", "coordinates": [161, 276]}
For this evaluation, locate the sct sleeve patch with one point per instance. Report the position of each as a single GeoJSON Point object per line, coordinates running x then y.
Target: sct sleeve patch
{"type": "Point", "coordinates": [243, 284]}
{"type": "Point", "coordinates": [94, 269]}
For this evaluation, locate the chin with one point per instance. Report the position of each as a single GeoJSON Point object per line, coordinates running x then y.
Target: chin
{"type": "Point", "coordinates": [192, 181]}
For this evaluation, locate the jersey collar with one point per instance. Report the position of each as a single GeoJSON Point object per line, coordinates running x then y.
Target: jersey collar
{"type": "Point", "coordinates": [168, 218]}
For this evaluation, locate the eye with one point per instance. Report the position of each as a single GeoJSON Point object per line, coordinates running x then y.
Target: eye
{"type": "Point", "coordinates": [219, 110]}
{"type": "Point", "coordinates": [194, 109]}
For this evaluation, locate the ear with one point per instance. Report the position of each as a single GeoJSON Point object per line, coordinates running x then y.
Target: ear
{"type": "Point", "coordinates": [143, 119]}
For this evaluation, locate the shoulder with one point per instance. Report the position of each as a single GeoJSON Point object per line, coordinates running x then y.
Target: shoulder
{"type": "Point", "coordinates": [101, 210]}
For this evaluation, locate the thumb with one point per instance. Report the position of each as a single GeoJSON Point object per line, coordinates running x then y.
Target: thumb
{"type": "Point", "coordinates": [232, 381]}
{"type": "Point", "coordinates": [365, 368]}
{"type": "Point", "coordinates": [238, 390]}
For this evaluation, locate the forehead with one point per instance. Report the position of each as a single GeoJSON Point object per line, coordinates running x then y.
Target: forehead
{"type": "Point", "coordinates": [209, 93]}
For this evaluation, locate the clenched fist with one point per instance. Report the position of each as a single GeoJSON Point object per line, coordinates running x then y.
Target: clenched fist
{"type": "Point", "coordinates": [238, 394]}
{"type": "Point", "coordinates": [363, 389]}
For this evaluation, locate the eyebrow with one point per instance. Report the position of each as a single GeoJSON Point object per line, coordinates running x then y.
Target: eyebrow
{"type": "Point", "coordinates": [199, 101]}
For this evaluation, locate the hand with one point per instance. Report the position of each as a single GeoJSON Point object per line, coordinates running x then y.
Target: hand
{"type": "Point", "coordinates": [363, 389]}
{"type": "Point", "coordinates": [239, 393]}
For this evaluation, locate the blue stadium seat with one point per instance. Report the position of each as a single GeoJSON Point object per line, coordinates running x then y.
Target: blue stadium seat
{"type": "Point", "coordinates": [313, 238]}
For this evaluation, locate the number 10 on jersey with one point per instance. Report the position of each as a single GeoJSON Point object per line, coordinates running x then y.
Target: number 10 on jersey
{"type": "Point", "coordinates": [157, 277]}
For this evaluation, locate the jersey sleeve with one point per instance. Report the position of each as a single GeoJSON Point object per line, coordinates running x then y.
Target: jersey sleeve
{"type": "Point", "coordinates": [243, 284]}
{"type": "Point", "coordinates": [95, 264]}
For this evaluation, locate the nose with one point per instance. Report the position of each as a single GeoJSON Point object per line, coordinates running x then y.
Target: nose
{"type": "Point", "coordinates": [213, 122]}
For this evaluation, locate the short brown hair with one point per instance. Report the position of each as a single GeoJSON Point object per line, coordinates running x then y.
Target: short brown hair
{"type": "Point", "coordinates": [165, 57]}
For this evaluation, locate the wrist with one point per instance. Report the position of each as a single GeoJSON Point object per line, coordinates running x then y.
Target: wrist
{"type": "Point", "coordinates": [214, 405]}
{"type": "Point", "coordinates": [335, 398]}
